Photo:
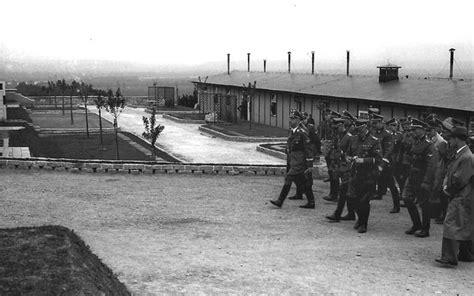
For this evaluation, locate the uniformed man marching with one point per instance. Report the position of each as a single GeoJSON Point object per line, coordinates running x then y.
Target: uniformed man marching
{"type": "Point", "coordinates": [365, 152]}
{"type": "Point", "coordinates": [395, 164]}
{"type": "Point", "coordinates": [418, 184]}
{"type": "Point", "coordinates": [386, 178]}
{"type": "Point", "coordinates": [300, 162]}
{"type": "Point", "coordinates": [344, 170]}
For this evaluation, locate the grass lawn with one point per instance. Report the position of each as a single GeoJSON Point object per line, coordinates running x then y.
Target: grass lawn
{"type": "Point", "coordinates": [57, 120]}
{"type": "Point", "coordinates": [76, 146]}
{"type": "Point", "coordinates": [81, 147]}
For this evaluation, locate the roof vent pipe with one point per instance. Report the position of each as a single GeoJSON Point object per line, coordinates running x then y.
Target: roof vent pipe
{"type": "Point", "coordinates": [451, 62]}
{"type": "Point", "coordinates": [348, 53]}
{"type": "Point", "coordinates": [248, 62]}
{"type": "Point", "coordinates": [228, 64]}
{"type": "Point", "coordinates": [289, 62]}
{"type": "Point", "coordinates": [264, 66]}
{"type": "Point", "coordinates": [312, 63]}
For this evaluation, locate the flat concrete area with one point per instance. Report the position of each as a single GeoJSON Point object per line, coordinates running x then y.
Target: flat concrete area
{"type": "Point", "coordinates": [172, 234]}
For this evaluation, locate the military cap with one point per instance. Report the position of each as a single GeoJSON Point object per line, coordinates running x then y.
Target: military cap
{"type": "Point", "coordinates": [393, 120]}
{"type": "Point", "coordinates": [348, 116]}
{"type": "Point", "coordinates": [359, 123]}
{"type": "Point", "coordinates": [459, 132]}
{"type": "Point", "coordinates": [432, 120]}
{"type": "Point", "coordinates": [376, 117]}
{"type": "Point", "coordinates": [405, 120]}
{"type": "Point", "coordinates": [332, 113]}
{"type": "Point", "coordinates": [296, 113]}
{"type": "Point", "coordinates": [337, 121]}
{"type": "Point", "coordinates": [449, 123]}
{"type": "Point", "coordinates": [416, 123]}
{"type": "Point", "coordinates": [372, 110]}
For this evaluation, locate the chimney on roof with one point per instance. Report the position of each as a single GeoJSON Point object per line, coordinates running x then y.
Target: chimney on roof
{"type": "Point", "coordinates": [248, 62]}
{"type": "Point", "coordinates": [289, 62]}
{"type": "Point", "coordinates": [388, 72]}
{"type": "Point", "coordinates": [451, 61]}
{"type": "Point", "coordinates": [348, 53]}
{"type": "Point", "coordinates": [264, 66]}
{"type": "Point", "coordinates": [228, 63]}
{"type": "Point", "coordinates": [312, 63]}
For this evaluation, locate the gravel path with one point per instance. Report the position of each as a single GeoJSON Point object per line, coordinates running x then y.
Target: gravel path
{"type": "Point", "coordinates": [171, 234]}
{"type": "Point", "coordinates": [187, 143]}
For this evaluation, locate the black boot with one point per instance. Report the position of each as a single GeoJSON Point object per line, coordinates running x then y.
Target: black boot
{"type": "Point", "coordinates": [282, 197]}
{"type": "Point", "coordinates": [414, 216]}
{"type": "Point", "coordinates": [350, 211]}
{"type": "Point", "coordinates": [310, 196]}
{"type": "Point", "coordinates": [333, 218]}
{"type": "Point", "coordinates": [296, 197]}
{"type": "Point", "coordinates": [364, 218]}
{"type": "Point", "coordinates": [395, 210]}
{"type": "Point", "coordinates": [413, 229]}
{"type": "Point", "coordinates": [423, 233]}
{"type": "Point", "coordinates": [299, 193]}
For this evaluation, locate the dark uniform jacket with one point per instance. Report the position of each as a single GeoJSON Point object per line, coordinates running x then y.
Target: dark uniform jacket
{"type": "Point", "coordinates": [421, 169]}
{"type": "Point", "coordinates": [344, 166]}
{"type": "Point", "coordinates": [314, 139]}
{"type": "Point", "coordinates": [386, 142]}
{"type": "Point", "coordinates": [404, 156]}
{"type": "Point", "coordinates": [369, 150]}
{"type": "Point", "coordinates": [397, 138]}
{"type": "Point", "coordinates": [299, 151]}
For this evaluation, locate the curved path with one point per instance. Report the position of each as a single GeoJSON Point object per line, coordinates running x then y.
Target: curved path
{"type": "Point", "coordinates": [187, 143]}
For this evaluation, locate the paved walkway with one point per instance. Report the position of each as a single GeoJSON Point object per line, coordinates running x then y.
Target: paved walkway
{"type": "Point", "coordinates": [185, 142]}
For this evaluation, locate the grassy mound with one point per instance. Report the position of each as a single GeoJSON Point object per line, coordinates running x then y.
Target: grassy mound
{"type": "Point", "coordinates": [52, 260]}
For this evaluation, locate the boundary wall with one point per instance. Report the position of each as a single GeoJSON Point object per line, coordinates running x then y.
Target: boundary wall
{"type": "Point", "coordinates": [143, 167]}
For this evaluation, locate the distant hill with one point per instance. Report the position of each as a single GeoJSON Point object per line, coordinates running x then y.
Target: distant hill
{"type": "Point", "coordinates": [134, 78]}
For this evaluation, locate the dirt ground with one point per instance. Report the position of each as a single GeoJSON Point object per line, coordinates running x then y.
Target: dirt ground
{"type": "Point", "coordinates": [189, 234]}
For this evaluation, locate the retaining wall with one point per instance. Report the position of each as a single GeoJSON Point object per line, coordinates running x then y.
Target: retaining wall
{"type": "Point", "coordinates": [240, 138]}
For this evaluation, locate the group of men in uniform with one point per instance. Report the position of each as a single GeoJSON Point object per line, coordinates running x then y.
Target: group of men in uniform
{"type": "Point", "coordinates": [410, 157]}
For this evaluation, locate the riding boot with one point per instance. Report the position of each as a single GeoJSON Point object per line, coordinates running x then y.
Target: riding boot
{"type": "Point", "coordinates": [310, 196]}
{"type": "Point", "coordinates": [425, 220]}
{"type": "Point", "coordinates": [350, 216]}
{"type": "Point", "coordinates": [299, 193]}
{"type": "Point", "coordinates": [395, 198]}
{"type": "Point", "coordinates": [414, 216]}
{"type": "Point", "coordinates": [282, 197]}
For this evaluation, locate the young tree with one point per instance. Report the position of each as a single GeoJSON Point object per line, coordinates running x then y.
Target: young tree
{"type": "Point", "coordinates": [114, 105]}
{"type": "Point", "coordinates": [62, 86]}
{"type": "Point", "coordinates": [85, 90]}
{"type": "Point", "coordinates": [73, 89]}
{"type": "Point", "coordinates": [152, 131]}
{"type": "Point", "coordinates": [52, 87]}
{"type": "Point", "coordinates": [100, 103]}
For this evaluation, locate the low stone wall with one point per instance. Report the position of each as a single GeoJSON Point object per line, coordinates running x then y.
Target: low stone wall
{"type": "Point", "coordinates": [144, 167]}
{"type": "Point", "coordinates": [137, 167]}
{"type": "Point", "coordinates": [240, 138]}
{"type": "Point", "coordinates": [180, 120]}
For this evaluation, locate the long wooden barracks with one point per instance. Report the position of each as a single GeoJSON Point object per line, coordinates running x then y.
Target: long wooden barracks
{"type": "Point", "coordinates": [271, 95]}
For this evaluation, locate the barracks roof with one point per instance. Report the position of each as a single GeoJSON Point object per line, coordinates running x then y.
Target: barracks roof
{"type": "Point", "coordinates": [442, 93]}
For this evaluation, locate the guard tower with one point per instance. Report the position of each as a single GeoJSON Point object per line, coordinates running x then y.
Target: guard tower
{"type": "Point", "coordinates": [388, 72]}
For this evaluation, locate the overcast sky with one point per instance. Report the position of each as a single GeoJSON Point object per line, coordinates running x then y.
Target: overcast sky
{"type": "Point", "coordinates": [199, 31]}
